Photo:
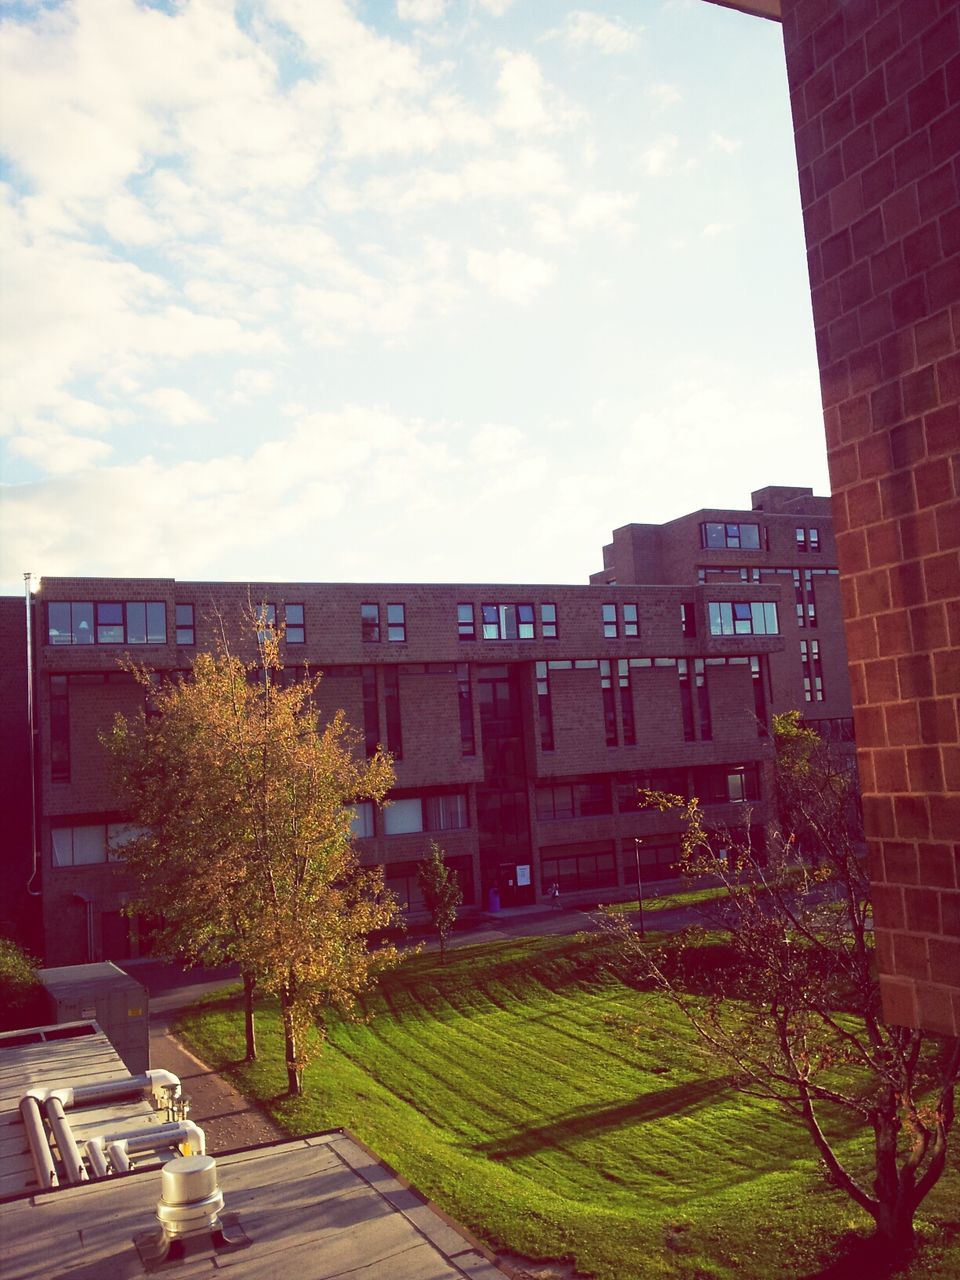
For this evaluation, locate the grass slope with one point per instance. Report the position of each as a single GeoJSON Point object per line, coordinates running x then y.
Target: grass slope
{"type": "Point", "coordinates": [557, 1112]}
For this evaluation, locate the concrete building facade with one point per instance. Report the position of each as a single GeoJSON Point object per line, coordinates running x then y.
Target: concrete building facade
{"type": "Point", "coordinates": [522, 719]}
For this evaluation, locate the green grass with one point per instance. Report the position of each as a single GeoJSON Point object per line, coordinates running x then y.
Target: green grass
{"type": "Point", "coordinates": [669, 901]}
{"type": "Point", "coordinates": [512, 1088]}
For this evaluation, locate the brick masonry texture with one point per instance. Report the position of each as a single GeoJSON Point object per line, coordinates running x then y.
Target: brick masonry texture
{"type": "Point", "coordinates": [875, 94]}
{"type": "Point", "coordinates": [82, 903]}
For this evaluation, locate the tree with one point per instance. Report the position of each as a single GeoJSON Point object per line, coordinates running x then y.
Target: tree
{"type": "Point", "coordinates": [241, 810]}
{"type": "Point", "coordinates": [793, 1011]}
{"type": "Point", "coordinates": [23, 998]}
{"type": "Point", "coordinates": [441, 892]}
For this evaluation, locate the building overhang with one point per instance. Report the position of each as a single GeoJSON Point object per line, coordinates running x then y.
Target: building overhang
{"type": "Point", "coordinates": [756, 8]}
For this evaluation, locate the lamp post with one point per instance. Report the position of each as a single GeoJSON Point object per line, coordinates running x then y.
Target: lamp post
{"type": "Point", "coordinates": [636, 848]}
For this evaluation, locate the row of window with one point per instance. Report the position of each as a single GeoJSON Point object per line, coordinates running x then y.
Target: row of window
{"type": "Point", "coordinates": [743, 618]}
{"type": "Point", "coordinates": [448, 812]}
{"type": "Point", "coordinates": [740, 536]}
{"type": "Point", "coordinates": [594, 797]}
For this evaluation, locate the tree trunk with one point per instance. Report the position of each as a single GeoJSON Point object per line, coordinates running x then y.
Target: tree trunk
{"type": "Point", "coordinates": [249, 1027]}
{"type": "Point", "coordinates": [443, 948]}
{"type": "Point", "coordinates": [294, 1071]}
{"type": "Point", "coordinates": [895, 1230]}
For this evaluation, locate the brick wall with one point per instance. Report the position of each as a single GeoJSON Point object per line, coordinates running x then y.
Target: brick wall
{"type": "Point", "coordinates": [875, 93]}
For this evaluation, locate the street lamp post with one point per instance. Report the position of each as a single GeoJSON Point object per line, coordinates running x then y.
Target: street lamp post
{"type": "Point", "coordinates": [636, 847]}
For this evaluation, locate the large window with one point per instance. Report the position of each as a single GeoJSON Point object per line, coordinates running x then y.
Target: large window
{"type": "Point", "coordinates": [735, 537]}
{"type": "Point", "coordinates": [294, 631]}
{"type": "Point", "coordinates": [370, 622]}
{"type": "Point", "coordinates": [86, 845]}
{"type": "Point", "coordinates": [728, 784]}
{"type": "Point", "coordinates": [573, 871]}
{"type": "Point", "coordinates": [466, 625]}
{"type": "Point", "coordinates": [408, 814]}
{"type": "Point", "coordinates": [507, 621]}
{"type": "Point", "coordinates": [186, 633]}
{"type": "Point", "coordinates": [402, 880]}
{"type": "Point", "coordinates": [107, 622]}
{"type": "Point", "coordinates": [361, 822]}
{"type": "Point", "coordinates": [582, 798]}
{"type": "Point", "coordinates": [743, 618]}
{"type": "Point", "coordinates": [396, 622]}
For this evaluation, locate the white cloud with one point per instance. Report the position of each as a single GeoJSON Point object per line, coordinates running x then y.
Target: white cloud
{"type": "Point", "coordinates": [655, 160]}
{"type": "Point", "coordinates": [509, 274]}
{"type": "Point", "coordinates": [713, 229]}
{"type": "Point", "coordinates": [665, 95]}
{"type": "Point", "coordinates": [176, 406]}
{"type": "Point", "coordinates": [583, 27]}
{"type": "Point", "coordinates": [722, 143]}
{"type": "Point", "coordinates": [420, 10]}
{"type": "Point", "coordinates": [523, 105]}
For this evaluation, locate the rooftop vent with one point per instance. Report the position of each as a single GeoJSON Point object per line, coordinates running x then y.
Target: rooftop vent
{"type": "Point", "coordinates": [189, 1216]}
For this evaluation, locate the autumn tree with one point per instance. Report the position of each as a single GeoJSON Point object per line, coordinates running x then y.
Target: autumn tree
{"type": "Point", "coordinates": [441, 893]}
{"type": "Point", "coordinates": [792, 1009]}
{"type": "Point", "coordinates": [240, 805]}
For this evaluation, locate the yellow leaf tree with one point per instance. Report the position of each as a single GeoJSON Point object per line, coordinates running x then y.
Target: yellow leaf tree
{"type": "Point", "coordinates": [240, 803]}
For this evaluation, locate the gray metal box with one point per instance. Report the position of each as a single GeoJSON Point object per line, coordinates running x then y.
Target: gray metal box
{"type": "Point", "coordinates": [118, 1003]}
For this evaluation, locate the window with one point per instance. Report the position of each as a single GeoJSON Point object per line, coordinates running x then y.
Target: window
{"type": "Point", "coordinates": [592, 798]}
{"type": "Point", "coordinates": [371, 711]}
{"type": "Point", "coordinates": [396, 622]}
{"type": "Point", "coordinates": [631, 621]}
{"type": "Point", "coordinates": [812, 670]}
{"type": "Point", "coordinates": [370, 622]}
{"type": "Point", "coordinates": [657, 862]}
{"type": "Point", "coordinates": [466, 626]}
{"type": "Point", "coordinates": [59, 729]}
{"type": "Point", "coordinates": [86, 845]}
{"type": "Point", "coordinates": [703, 699]}
{"type": "Point", "coordinates": [507, 621]}
{"type": "Point", "coordinates": [609, 615]}
{"type": "Point", "coordinates": [736, 537]}
{"type": "Point", "coordinates": [808, 539]}
{"type": "Point", "coordinates": [294, 631]}
{"type": "Point", "coordinates": [627, 718]}
{"type": "Point", "coordinates": [554, 802]}
{"type": "Point", "coordinates": [185, 625]}
{"type": "Point", "coordinates": [743, 618]}
{"type": "Point", "coordinates": [688, 619]}
{"type": "Point", "coordinates": [608, 703]}
{"type": "Point", "coordinates": [544, 707]}
{"type": "Point", "coordinates": [361, 823]}
{"type": "Point", "coordinates": [468, 741]}
{"type": "Point", "coordinates": [573, 871]}
{"type": "Point", "coordinates": [548, 621]}
{"type": "Point", "coordinates": [448, 812]}
{"type": "Point", "coordinates": [109, 622]}
{"type": "Point", "coordinates": [266, 620]}
{"type": "Point", "coordinates": [728, 784]}
{"type": "Point", "coordinates": [391, 703]}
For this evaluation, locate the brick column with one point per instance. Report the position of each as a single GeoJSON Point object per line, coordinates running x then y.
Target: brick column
{"type": "Point", "coordinates": [875, 93]}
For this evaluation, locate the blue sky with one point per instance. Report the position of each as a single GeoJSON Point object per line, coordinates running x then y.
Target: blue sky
{"type": "Point", "coordinates": [420, 290]}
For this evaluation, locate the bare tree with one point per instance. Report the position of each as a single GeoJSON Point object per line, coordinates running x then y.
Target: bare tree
{"type": "Point", "coordinates": [794, 1009]}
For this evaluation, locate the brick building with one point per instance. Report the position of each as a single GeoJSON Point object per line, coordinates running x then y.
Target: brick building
{"type": "Point", "coordinates": [522, 720]}
{"type": "Point", "coordinates": [875, 96]}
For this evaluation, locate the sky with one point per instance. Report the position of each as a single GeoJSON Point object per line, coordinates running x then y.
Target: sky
{"type": "Point", "coordinates": [391, 290]}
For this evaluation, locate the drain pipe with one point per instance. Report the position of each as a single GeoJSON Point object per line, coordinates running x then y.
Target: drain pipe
{"type": "Point", "coordinates": [66, 1142]}
{"type": "Point", "coordinates": [34, 852]}
{"type": "Point", "coordinates": [39, 1146]}
{"type": "Point", "coordinates": [156, 1081]}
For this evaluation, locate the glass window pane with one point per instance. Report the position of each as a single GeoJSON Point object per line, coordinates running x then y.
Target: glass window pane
{"type": "Point", "coordinates": [82, 623]}
{"type": "Point", "coordinates": [772, 621]}
{"type": "Point", "coordinates": [136, 623]}
{"type": "Point", "coordinates": [109, 624]}
{"type": "Point", "coordinates": [89, 845]}
{"type": "Point", "coordinates": [716, 625]}
{"type": "Point", "coordinates": [58, 624]}
{"type": "Point", "coordinates": [713, 535]}
{"type": "Point", "coordinates": [294, 615]}
{"type": "Point", "coordinates": [750, 536]}
{"type": "Point", "coordinates": [402, 816]}
{"type": "Point", "coordinates": [62, 846]}
{"type": "Point", "coordinates": [395, 612]}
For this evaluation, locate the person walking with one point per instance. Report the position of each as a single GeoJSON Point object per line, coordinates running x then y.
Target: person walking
{"type": "Point", "coordinates": [555, 895]}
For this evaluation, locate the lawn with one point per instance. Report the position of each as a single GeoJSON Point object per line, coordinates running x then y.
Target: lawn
{"type": "Point", "coordinates": [513, 1087]}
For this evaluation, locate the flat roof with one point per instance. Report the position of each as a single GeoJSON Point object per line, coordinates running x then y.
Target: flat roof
{"type": "Point", "coordinates": [317, 1208]}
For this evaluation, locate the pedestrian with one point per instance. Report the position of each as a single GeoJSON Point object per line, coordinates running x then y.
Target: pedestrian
{"type": "Point", "coordinates": [555, 895]}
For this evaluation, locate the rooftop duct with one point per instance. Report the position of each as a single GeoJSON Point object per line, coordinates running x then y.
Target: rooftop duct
{"type": "Point", "coordinates": [189, 1216]}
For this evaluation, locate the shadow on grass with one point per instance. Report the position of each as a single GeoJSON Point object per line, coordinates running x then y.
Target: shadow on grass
{"type": "Point", "coordinates": [587, 1122]}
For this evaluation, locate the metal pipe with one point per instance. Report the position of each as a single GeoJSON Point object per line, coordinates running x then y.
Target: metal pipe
{"type": "Point", "coordinates": [66, 1142]}
{"type": "Point", "coordinates": [39, 1146]}
{"type": "Point", "coordinates": [96, 1157]}
{"type": "Point", "coordinates": [118, 1157]}
{"type": "Point", "coordinates": [34, 852]}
